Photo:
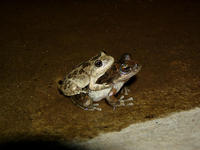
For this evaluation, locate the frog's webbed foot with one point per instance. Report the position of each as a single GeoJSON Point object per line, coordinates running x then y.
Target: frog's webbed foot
{"type": "Point", "coordinates": [92, 107]}
{"type": "Point", "coordinates": [114, 102]}
{"type": "Point", "coordinates": [123, 102]}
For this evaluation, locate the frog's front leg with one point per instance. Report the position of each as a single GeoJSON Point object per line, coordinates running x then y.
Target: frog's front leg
{"type": "Point", "coordinates": [85, 102]}
{"type": "Point", "coordinates": [114, 102]}
{"type": "Point", "coordinates": [96, 87]}
{"type": "Point", "coordinates": [125, 91]}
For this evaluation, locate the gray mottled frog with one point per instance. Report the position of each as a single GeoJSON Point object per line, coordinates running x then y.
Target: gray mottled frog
{"type": "Point", "coordinates": [121, 71]}
{"type": "Point", "coordinates": [85, 75]}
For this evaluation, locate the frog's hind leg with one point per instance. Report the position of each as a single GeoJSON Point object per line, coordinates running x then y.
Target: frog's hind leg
{"type": "Point", "coordinates": [85, 102]}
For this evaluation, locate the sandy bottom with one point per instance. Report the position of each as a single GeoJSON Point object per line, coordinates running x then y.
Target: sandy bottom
{"type": "Point", "coordinates": [40, 42]}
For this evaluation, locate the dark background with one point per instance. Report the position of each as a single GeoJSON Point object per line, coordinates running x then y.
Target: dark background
{"type": "Point", "coordinates": [41, 41]}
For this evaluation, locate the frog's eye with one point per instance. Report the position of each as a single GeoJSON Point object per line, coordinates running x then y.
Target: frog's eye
{"type": "Point", "coordinates": [125, 68]}
{"type": "Point", "coordinates": [98, 63]}
{"type": "Point", "coordinates": [124, 65]}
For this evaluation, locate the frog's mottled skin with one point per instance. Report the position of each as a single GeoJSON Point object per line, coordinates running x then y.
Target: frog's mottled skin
{"type": "Point", "coordinates": [86, 74]}
{"type": "Point", "coordinates": [116, 76]}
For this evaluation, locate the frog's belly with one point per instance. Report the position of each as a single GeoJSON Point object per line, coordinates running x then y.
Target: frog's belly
{"type": "Point", "coordinates": [101, 94]}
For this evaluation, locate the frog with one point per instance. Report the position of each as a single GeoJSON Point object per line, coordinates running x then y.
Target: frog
{"type": "Point", "coordinates": [120, 72]}
{"type": "Point", "coordinates": [83, 77]}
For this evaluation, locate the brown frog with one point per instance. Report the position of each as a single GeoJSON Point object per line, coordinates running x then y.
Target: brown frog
{"type": "Point", "coordinates": [85, 75]}
{"type": "Point", "coordinates": [120, 72]}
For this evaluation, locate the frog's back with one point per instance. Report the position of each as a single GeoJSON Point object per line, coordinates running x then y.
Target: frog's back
{"type": "Point", "coordinates": [76, 80]}
{"type": "Point", "coordinates": [79, 75]}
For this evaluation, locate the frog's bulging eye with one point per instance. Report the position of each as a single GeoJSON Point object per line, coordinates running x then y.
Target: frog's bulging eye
{"type": "Point", "coordinates": [98, 63]}
{"type": "Point", "coordinates": [124, 66]}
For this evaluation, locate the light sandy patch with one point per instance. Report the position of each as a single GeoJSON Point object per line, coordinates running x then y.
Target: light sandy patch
{"type": "Point", "coordinates": [179, 131]}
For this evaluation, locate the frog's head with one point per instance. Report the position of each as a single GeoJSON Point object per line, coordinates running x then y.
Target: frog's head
{"type": "Point", "coordinates": [127, 67]}
{"type": "Point", "coordinates": [100, 64]}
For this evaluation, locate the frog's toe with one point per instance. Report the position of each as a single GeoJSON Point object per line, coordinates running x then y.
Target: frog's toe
{"type": "Point", "coordinates": [122, 102]}
{"type": "Point", "coordinates": [128, 99]}
{"type": "Point", "coordinates": [126, 91]}
{"type": "Point", "coordinates": [129, 104]}
{"type": "Point", "coordinates": [93, 107]}
{"type": "Point", "coordinates": [96, 104]}
{"type": "Point", "coordinates": [122, 97]}
{"type": "Point", "coordinates": [97, 108]}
